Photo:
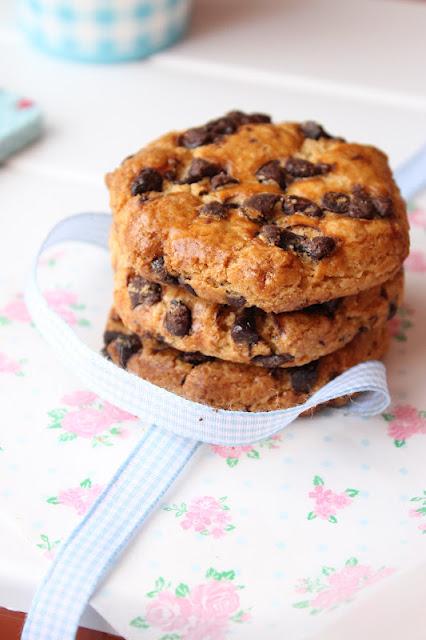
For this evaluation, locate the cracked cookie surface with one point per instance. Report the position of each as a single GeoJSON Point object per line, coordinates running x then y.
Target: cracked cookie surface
{"type": "Point", "coordinates": [276, 216]}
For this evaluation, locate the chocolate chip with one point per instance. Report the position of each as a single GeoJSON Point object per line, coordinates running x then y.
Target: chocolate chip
{"type": "Point", "coordinates": [178, 319]}
{"type": "Point", "coordinates": [383, 206]}
{"type": "Point", "coordinates": [109, 336]}
{"type": "Point", "coordinates": [290, 240]}
{"type": "Point", "coordinates": [300, 168]}
{"type": "Point", "coordinates": [236, 301]}
{"type": "Point", "coordinates": [272, 361]}
{"type": "Point", "coordinates": [142, 291]}
{"type": "Point", "coordinates": [273, 171]}
{"type": "Point", "coordinates": [383, 293]}
{"type": "Point", "coordinates": [303, 378]}
{"type": "Point", "coordinates": [320, 247]}
{"type": "Point", "coordinates": [195, 358]}
{"type": "Point", "coordinates": [392, 310]}
{"type": "Point", "coordinates": [105, 354]}
{"type": "Point", "coordinates": [159, 268]}
{"type": "Point", "coordinates": [336, 201]}
{"type": "Point", "coordinates": [262, 202]}
{"type": "Point", "coordinates": [186, 286]}
{"type": "Point", "coordinates": [200, 169]}
{"type": "Point", "coordinates": [271, 234]}
{"type": "Point", "coordinates": [327, 309]}
{"type": "Point", "coordinates": [214, 130]}
{"type": "Point", "coordinates": [213, 210]}
{"type": "Point", "coordinates": [126, 346]}
{"type": "Point", "coordinates": [361, 205]}
{"type": "Point", "coordinates": [244, 328]}
{"type": "Point", "coordinates": [147, 180]}
{"type": "Point", "coordinates": [221, 179]}
{"type": "Point", "coordinates": [295, 204]}
{"type": "Point", "coordinates": [313, 130]}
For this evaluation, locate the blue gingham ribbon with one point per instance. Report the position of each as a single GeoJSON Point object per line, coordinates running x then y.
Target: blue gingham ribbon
{"type": "Point", "coordinates": [180, 425]}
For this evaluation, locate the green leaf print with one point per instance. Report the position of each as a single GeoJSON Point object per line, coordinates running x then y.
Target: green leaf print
{"type": "Point", "coordinates": [332, 519]}
{"type": "Point", "coordinates": [57, 414]}
{"type": "Point", "coordinates": [182, 590]}
{"type": "Point", "coordinates": [171, 636]}
{"type": "Point", "coordinates": [230, 527]}
{"type": "Point", "coordinates": [352, 492]}
{"type": "Point", "coordinates": [311, 515]}
{"type": "Point", "coordinates": [53, 500]}
{"type": "Point", "coordinates": [232, 462]}
{"type": "Point", "coordinates": [303, 604]}
{"type": "Point", "coordinates": [139, 623]}
{"type": "Point", "coordinates": [351, 562]}
{"type": "Point", "coordinates": [83, 322]}
{"type": "Point", "coordinates": [4, 321]}
{"type": "Point", "coordinates": [318, 481]}
{"type": "Point", "coordinates": [399, 443]}
{"type": "Point", "coordinates": [152, 594]}
{"type": "Point", "coordinates": [388, 417]}
{"type": "Point", "coordinates": [326, 571]}
{"type": "Point", "coordinates": [66, 437]}
{"type": "Point", "coordinates": [86, 484]}
{"type": "Point", "coordinates": [160, 583]}
{"type": "Point", "coordinates": [227, 575]}
{"type": "Point", "coordinates": [253, 454]}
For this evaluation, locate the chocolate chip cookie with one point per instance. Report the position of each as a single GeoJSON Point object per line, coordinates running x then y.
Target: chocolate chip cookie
{"type": "Point", "coordinates": [174, 315]}
{"type": "Point", "coordinates": [228, 385]}
{"type": "Point", "coordinates": [273, 216]}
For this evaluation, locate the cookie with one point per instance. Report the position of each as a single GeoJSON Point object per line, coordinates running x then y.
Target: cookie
{"type": "Point", "coordinates": [228, 385]}
{"type": "Point", "coordinates": [176, 316]}
{"type": "Point", "coordinates": [276, 216]}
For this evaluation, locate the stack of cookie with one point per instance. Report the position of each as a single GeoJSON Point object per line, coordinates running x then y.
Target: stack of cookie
{"type": "Point", "coordinates": [253, 261]}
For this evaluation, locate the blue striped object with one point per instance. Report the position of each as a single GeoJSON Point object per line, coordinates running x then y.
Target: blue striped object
{"type": "Point", "coordinates": [157, 460]}
{"type": "Point", "coordinates": [20, 123]}
{"type": "Point", "coordinates": [103, 30]}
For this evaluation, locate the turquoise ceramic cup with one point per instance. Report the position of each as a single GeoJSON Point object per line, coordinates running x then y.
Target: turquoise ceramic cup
{"type": "Point", "coordinates": [103, 30]}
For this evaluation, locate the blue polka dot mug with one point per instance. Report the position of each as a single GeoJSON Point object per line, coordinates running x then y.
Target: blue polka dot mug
{"type": "Point", "coordinates": [103, 30]}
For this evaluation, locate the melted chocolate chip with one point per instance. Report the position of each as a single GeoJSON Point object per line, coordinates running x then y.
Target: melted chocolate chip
{"type": "Point", "coordinates": [392, 310]}
{"type": "Point", "coordinates": [361, 205]}
{"type": "Point", "coordinates": [214, 130]}
{"type": "Point", "coordinates": [109, 336]}
{"type": "Point", "coordinates": [213, 210]}
{"type": "Point", "coordinates": [320, 247]}
{"type": "Point", "coordinates": [195, 358]}
{"type": "Point", "coordinates": [147, 180]}
{"type": "Point", "coordinates": [272, 361]}
{"type": "Point", "coordinates": [186, 286]}
{"type": "Point", "coordinates": [236, 301]}
{"type": "Point", "coordinates": [222, 179]}
{"type": "Point", "coordinates": [313, 130]}
{"type": "Point", "coordinates": [303, 378]}
{"type": "Point", "coordinates": [126, 346]}
{"type": "Point", "coordinates": [327, 309]}
{"type": "Point", "coordinates": [142, 291]}
{"type": "Point", "coordinates": [271, 234]}
{"type": "Point", "coordinates": [273, 171]}
{"type": "Point", "coordinates": [244, 328]}
{"type": "Point", "coordinates": [159, 268]}
{"type": "Point", "coordinates": [383, 206]}
{"type": "Point", "coordinates": [200, 169]}
{"type": "Point", "coordinates": [264, 203]}
{"type": "Point", "coordinates": [296, 204]}
{"type": "Point", "coordinates": [336, 201]}
{"type": "Point", "coordinates": [300, 168]}
{"type": "Point", "coordinates": [383, 293]}
{"type": "Point", "coordinates": [178, 319]}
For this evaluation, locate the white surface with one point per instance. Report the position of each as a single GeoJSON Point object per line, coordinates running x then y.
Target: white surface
{"type": "Point", "coordinates": [358, 67]}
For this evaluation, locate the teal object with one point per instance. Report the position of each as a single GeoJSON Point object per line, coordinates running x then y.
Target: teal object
{"type": "Point", "coordinates": [20, 123]}
{"type": "Point", "coordinates": [103, 31]}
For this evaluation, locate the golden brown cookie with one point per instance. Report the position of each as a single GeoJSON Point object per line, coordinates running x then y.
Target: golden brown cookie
{"type": "Point", "coordinates": [174, 315]}
{"type": "Point", "coordinates": [228, 385]}
{"type": "Point", "coordinates": [277, 216]}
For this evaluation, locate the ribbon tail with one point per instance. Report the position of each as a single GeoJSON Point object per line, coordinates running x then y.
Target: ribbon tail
{"type": "Point", "coordinates": [95, 544]}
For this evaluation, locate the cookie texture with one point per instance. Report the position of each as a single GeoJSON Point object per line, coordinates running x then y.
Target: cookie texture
{"type": "Point", "coordinates": [249, 335]}
{"type": "Point", "coordinates": [233, 386]}
{"type": "Point", "coordinates": [275, 216]}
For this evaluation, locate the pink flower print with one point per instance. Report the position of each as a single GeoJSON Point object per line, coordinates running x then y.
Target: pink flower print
{"type": "Point", "coordinates": [16, 310]}
{"type": "Point", "coordinates": [205, 515]}
{"type": "Point", "coordinates": [116, 414]}
{"type": "Point", "coordinates": [231, 452]}
{"type": "Point", "coordinates": [404, 422]}
{"type": "Point", "coordinates": [86, 422]}
{"type": "Point", "coordinates": [416, 262]}
{"type": "Point", "coordinates": [214, 600]}
{"type": "Point", "coordinates": [339, 586]}
{"type": "Point", "coordinates": [7, 365]}
{"type": "Point", "coordinates": [79, 398]}
{"type": "Point", "coordinates": [327, 502]}
{"type": "Point", "coordinates": [59, 300]}
{"type": "Point", "coordinates": [168, 612]}
{"type": "Point", "coordinates": [418, 218]}
{"type": "Point", "coordinates": [79, 498]}
{"type": "Point", "coordinates": [419, 511]}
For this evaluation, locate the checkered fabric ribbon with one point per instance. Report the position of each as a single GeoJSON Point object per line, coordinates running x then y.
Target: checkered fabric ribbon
{"type": "Point", "coordinates": [99, 31]}
{"type": "Point", "coordinates": [178, 427]}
